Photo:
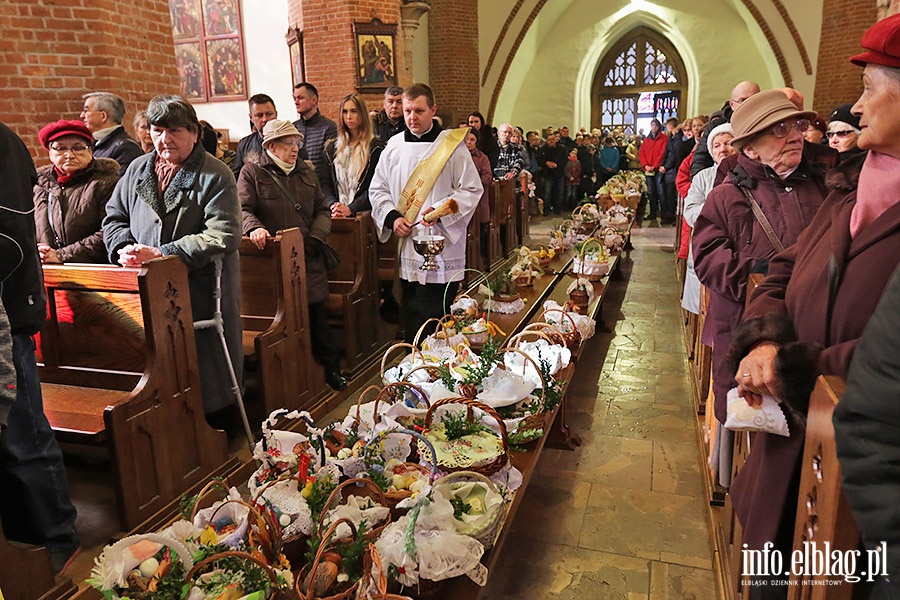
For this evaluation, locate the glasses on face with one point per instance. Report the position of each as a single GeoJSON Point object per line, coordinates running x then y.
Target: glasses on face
{"type": "Point", "coordinates": [781, 130]}
{"type": "Point", "coordinates": [290, 144]}
{"type": "Point", "coordinates": [78, 149]}
{"type": "Point", "coordinates": [839, 134]}
{"type": "Point", "coordinates": [738, 101]}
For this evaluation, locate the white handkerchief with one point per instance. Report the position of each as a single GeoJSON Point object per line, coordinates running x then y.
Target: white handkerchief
{"type": "Point", "coordinates": [767, 417]}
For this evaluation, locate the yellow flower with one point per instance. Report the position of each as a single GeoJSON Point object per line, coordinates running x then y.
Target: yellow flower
{"type": "Point", "coordinates": [208, 536]}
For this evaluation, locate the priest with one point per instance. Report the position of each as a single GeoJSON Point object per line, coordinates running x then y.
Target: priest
{"type": "Point", "coordinates": [420, 171]}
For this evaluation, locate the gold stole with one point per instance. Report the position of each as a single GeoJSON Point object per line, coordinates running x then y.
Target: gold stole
{"type": "Point", "coordinates": [424, 176]}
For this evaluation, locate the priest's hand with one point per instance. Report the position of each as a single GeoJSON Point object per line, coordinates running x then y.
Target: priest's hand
{"type": "Point", "coordinates": [402, 227]}
{"type": "Point", "coordinates": [425, 222]}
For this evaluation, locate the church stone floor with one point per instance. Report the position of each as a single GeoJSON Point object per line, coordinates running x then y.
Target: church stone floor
{"type": "Point", "coordinates": [624, 515]}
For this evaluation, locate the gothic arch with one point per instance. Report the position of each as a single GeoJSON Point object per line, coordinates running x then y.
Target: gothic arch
{"type": "Point", "coordinates": [641, 60]}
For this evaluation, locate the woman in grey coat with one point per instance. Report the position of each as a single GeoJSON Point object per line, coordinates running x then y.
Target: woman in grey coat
{"type": "Point", "coordinates": [179, 200]}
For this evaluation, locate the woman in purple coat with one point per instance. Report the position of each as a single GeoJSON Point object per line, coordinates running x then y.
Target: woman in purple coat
{"type": "Point", "coordinates": [808, 315]}
{"type": "Point", "coordinates": [483, 212]}
{"type": "Point", "coordinates": [730, 243]}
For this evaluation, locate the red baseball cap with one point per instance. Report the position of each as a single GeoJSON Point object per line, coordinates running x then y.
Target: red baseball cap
{"type": "Point", "coordinates": [53, 131]}
{"type": "Point", "coordinates": [882, 44]}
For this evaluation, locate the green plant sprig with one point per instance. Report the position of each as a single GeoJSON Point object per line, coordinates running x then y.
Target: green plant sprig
{"type": "Point", "coordinates": [457, 425]}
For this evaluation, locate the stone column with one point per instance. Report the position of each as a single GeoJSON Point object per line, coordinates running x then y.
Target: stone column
{"type": "Point", "coordinates": [411, 13]}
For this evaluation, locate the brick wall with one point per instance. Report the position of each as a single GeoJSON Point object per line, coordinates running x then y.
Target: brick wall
{"type": "Point", "coordinates": [843, 24]}
{"type": "Point", "coordinates": [453, 58]}
{"type": "Point", "coordinates": [329, 45]}
{"type": "Point", "coordinates": [53, 51]}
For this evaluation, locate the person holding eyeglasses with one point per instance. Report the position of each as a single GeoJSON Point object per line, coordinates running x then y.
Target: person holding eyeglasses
{"type": "Point", "coordinates": [843, 132]}
{"type": "Point", "coordinates": [730, 241]}
{"type": "Point", "coordinates": [70, 195]}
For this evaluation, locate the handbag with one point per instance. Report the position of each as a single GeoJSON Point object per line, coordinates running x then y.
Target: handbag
{"type": "Point", "coordinates": [329, 254]}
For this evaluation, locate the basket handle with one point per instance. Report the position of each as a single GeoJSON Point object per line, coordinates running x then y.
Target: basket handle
{"type": "Point", "coordinates": [362, 395]}
{"type": "Point", "coordinates": [533, 364]}
{"type": "Point", "coordinates": [585, 244]}
{"type": "Point", "coordinates": [358, 482]}
{"type": "Point", "coordinates": [387, 353]}
{"type": "Point", "coordinates": [398, 386]}
{"type": "Point", "coordinates": [440, 325]}
{"type": "Point", "coordinates": [513, 342]}
{"type": "Point", "coordinates": [213, 484]}
{"type": "Point", "coordinates": [303, 416]}
{"type": "Point", "coordinates": [370, 446]}
{"type": "Point", "coordinates": [264, 515]}
{"type": "Point", "coordinates": [323, 545]}
{"type": "Point", "coordinates": [452, 477]}
{"type": "Point", "coordinates": [470, 404]}
{"type": "Point", "coordinates": [567, 315]}
{"type": "Point", "coordinates": [273, 579]}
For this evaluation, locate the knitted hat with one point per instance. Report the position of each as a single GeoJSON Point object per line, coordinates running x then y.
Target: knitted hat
{"type": "Point", "coordinates": [54, 131]}
{"type": "Point", "coordinates": [842, 113]}
{"type": "Point", "coordinates": [276, 129]}
{"type": "Point", "coordinates": [717, 131]}
{"type": "Point", "coordinates": [882, 44]}
{"type": "Point", "coordinates": [760, 111]}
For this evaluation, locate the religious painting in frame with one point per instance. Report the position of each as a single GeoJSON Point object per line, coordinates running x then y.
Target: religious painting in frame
{"type": "Point", "coordinates": [220, 17]}
{"type": "Point", "coordinates": [191, 74]}
{"type": "Point", "coordinates": [226, 69]}
{"type": "Point", "coordinates": [209, 49]}
{"type": "Point", "coordinates": [376, 64]}
{"type": "Point", "coordinates": [294, 39]}
{"type": "Point", "coordinates": [185, 19]}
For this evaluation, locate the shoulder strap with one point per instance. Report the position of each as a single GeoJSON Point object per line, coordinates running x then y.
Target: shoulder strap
{"type": "Point", "coordinates": [287, 195]}
{"type": "Point", "coordinates": [761, 218]}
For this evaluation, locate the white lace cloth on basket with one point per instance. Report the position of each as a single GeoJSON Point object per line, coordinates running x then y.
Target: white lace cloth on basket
{"type": "Point", "coordinates": [583, 323]}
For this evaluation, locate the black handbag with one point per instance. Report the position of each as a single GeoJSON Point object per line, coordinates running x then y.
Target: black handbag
{"type": "Point", "coordinates": [329, 254]}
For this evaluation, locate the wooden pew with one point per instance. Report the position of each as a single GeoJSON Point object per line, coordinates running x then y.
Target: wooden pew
{"type": "Point", "coordinates": [25, 573]}
{"type": "Point", "coordinates": [474, 259]}
{"type": "Point", "coordinates": [355, 291]}
{"type": "Point", "coordinates": [275, 317]}
{"type": "Point", "coordinates": [495, 250]}
{"type": "Point", "coordinates": [118, 365]}
{"type": "Point", "coordinates": [823, 514]}
{"type": "Point", "coordinates": [523, 219]}
{"type": "Point", "coordinates": [506, 213]}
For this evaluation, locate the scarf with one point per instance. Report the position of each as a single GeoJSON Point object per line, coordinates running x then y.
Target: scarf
{"type": "Point", "coordinates": [347, 166]}
{"type": "Point", "coordinates": [165, 173]}
{"type": "Point", "coordinates": [877, 190]}
{"type": "Point", "coordinates": [64, 179]}
{"type": "Point", "coordinates": [283, 165]}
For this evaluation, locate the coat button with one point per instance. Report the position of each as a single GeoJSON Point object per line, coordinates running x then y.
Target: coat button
{"type": "Point", "coordinates": [788, 189]}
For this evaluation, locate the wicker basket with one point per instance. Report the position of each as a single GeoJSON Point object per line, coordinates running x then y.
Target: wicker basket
{"type": "Point", "coordinates": [572, 336]}
{"type": "Point", "coordinates": [550, 332]}
{"type": "Point", "coordinates": [298, 580]}
{"type": "Point", "coordinates": [589, 269]}
{"type": "Point", "coordinates": [545, 261]}
{"type": "Point", "coordinates": [605, 201]}
{"type": "Point", "coordinates": [487, 535]}
{"type": "Point", "coordinates": [488, 468]}
{"type": "Point", "coordinates": [274, 592]}
{"type": "Point", "coordinates": [537, 419]}
{"type": "Point", "coordinates": [358, 486]}
{"type": "Point", "coordinates": [387, 353]}
{"type": "Point", "coordinates": [442, 331]}
{"type": "Point", "coordinates": [262, 526]}
{"type": "Point", "coordinates": [393, 496]}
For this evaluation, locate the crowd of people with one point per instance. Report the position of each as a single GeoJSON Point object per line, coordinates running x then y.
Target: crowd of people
{"type": "Point", "coordinates": [768, 187]}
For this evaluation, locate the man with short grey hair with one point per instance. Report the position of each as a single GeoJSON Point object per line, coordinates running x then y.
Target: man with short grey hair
{"type": "Point", "coordinates": [389, 121]}
{"type": "Point", "coordinates": [103, 113]}
{"type": "Point", "coordinates": [510, 160]}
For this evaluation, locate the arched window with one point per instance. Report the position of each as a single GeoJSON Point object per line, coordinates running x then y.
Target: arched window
{"type": "Point", "coordinates": [640, 77]}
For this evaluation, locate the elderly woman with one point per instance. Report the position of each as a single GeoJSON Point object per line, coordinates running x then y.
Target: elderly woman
{"type": "Point", "coordinates": [142, 131]}
{"type": "Point", "coordinates": [181, 201]}
{"type": "Point", "coordinates": [70, 195]}
{"type": "Point", "coordinates": [719, 142]}
{"type": "Point", "coordinates": [351, 159]}
{"type": "Point", "coordinates": [816, 131]}
{"type": "Point", "coordinates": [483, 212]}
{"type": "Point", "coordinates": [807, 316]}
{"type": "Point", "coordinates": [843, 131]}
{"type": "Point", "coordinates": [282, 192]}
{"type": "Point", "coordinates": [732, 239]}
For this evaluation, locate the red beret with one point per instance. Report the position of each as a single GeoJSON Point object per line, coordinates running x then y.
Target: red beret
{"type": "Point", "coordinates": [53, 131]}
{"type": "Point", "coordinates": [882, 44]}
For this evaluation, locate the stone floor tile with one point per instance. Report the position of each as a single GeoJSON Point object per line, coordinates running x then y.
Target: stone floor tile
{"type": "Point", "coordinates": [553, 509]}
{"type": "Point", "coordinates": [604, 460]}
{"type": "Point", "coordinates": [676, 469]}
{"type": "Point", "coordinates": [647, 524]}
{"type": "Point", "coordinates": [544, 571]}
{"type": "Point", "coordinates": [677, 582]}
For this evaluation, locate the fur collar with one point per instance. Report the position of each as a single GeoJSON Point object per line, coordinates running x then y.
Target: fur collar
{"type": "Point", "coordinates": [146, 187]}
{"type": "Point", "coordinates": [845, 176]}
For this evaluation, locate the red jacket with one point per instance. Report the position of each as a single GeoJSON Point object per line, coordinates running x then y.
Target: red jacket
{"type": "Point", "coordinates": [652, 150]}
{"type": "Point", "coordinates": [683, 179]}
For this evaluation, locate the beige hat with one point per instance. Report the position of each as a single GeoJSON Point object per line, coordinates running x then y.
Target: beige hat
{"type": "Point", "coordinates": [276, 129]}
{"type": "Point", "coordinates": [760, 111]}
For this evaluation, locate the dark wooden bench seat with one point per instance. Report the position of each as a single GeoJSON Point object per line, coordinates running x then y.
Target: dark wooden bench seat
{"type": "Point", "coordinates": [118, 366]}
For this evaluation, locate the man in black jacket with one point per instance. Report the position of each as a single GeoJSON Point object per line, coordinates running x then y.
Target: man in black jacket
{"type": "Point", "coordinates": [740, 92]}
{"type": "Point", "coordinates": [316, 129]}
{"type": "Point", "coordinates": [34, 495]}
{"type": "Point", "coordinates": [389, 121]}
{"type": "Point", "coordinates": [103, 113]}
{"type": "Point", "coordinates": [552, 161]}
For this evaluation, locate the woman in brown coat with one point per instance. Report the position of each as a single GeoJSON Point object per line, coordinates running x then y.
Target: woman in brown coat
{"type": "Point", "coordinates": [283, 192]}
{"type": "Point", "coordinates": [70, 195]}
{"type": "Point", "coordinates": [809, 313]}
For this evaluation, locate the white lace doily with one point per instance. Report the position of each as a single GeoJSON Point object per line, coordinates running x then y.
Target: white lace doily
{"type": "Point", "coordinates": [504, 308]}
